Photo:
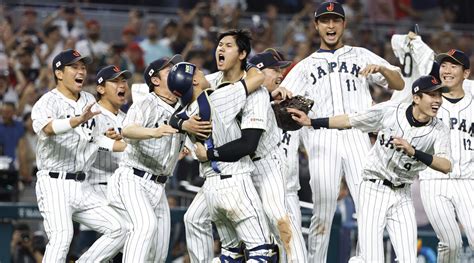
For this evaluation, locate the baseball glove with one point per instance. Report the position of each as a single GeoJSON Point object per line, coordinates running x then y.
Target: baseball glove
{"type": "Point", "coordinates": [283, 117]}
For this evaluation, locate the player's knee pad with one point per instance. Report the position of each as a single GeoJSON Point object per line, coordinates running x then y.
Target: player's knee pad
{"type": "Point", "coordinates": [263, 253]}
{"type": "Point", "coordinates": [232, 255]}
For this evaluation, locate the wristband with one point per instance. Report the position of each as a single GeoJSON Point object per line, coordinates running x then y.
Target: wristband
{"type": "Point", "coordinates": [320, 123]}
{"type": "Point", "coordinates": [423, 157]}
{"type": "Point", "coordinates": [61, 126]}
{"type": "Point", "coordinates": [105, 144]}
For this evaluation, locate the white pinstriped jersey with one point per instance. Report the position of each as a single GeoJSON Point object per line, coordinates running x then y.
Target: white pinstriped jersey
{"type": "Point", "coordinates": [417, 60]}
{"type": "Point", "coordinates": [459, 117]}
{"type": "Point", "coordinates": [106, 162]}
{"type": "Point", "coordinates": [225, 127]}
{"type": "Point", "coordinates": [390, 120]}
{"type": "Point", "coordinates": [258, 114]}
{"type": "Point", "coordinates": [72, 151]}
{"type": "Point", "coordinates": [156, 156]}
{"type": "Point", "coordinates": [333, 80]}
{"type": "Point", "coordinates": [290, 142]}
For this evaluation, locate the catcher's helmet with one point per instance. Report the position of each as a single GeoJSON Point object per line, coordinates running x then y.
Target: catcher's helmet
{"type": "Point", "coordinates": [180, 81]}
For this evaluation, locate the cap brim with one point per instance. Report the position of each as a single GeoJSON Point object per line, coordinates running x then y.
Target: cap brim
{"type": "Point", "coordinates": [283, 64]}
{"type": "Point", "coordinates": [173, 60]}
{"type": "Point", "coordinates": [329, 13]}
{"type": "Point", "coordinates": [439, 58]}
{"type": "Point", "coordinates": [443, 89]}
{"type": "Point", "coordinates": [86, 60]}
{"type": "Point", "coordinates": [127, 74]}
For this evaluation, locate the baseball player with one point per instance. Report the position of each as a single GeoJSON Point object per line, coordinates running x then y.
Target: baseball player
{"type": "Point", "coordinates": [68, 141]}
{"type": "Point", "coordinates": [260, 139]}
{"type": "Point", "coordinates": [228, 191]}
{"type": "Point", "coordinates": [446, 198]}
{"type": "Point", "coordinates": [410, 138]}
{"type": "Point", "coordinates": [138, 185]}
{"type": "Point", "coordinates": [336, 77]}
{"type": "Point", "coordinates": [290, 142]}
{"type": "Point", "coordinates": [112, 91]}
{"type": "Point", "coordinates": [416, 58]}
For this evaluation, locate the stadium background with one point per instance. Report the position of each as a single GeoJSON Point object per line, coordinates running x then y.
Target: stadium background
{"type": "Point", "coordinates": [32, 31]}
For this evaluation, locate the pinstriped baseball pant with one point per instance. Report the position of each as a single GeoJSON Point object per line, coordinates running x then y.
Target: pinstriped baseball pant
{"type": "Point", "coordinates": [444, 201]}
{"type": "Point", "coordinates": [61, 201]}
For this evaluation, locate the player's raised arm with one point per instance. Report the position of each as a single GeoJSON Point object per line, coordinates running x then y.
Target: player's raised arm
{"type": "Point", "coordinates": [336, 122]}
{"type": "Point", "coordinates": [59, 126]}
{"type": "Point", "coordinates": [393, 77]}
{"type": "Point", "coordinates": [254, 79]}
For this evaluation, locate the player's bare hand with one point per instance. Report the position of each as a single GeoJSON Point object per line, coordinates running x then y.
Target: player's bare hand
{"type": "Point", "coordinates": [112, 134]}
{"type": "Point", "coordinates": [195, 126]}
{"type": "Point", "coordinates": [371, 69]}
{"type": "Point", "coordinates": [403, 144]}
{"type": "Point", "coordinates": [88, 113]}
{"type": "Point", "coordinates": [164, 130]}
{"type": "Point", "coordinates": [184, 152]}
{"type": "Point", "coordinates": [281, 93]}
{"type": "Point", "coordinates": [201, 152]}
{"type": "Point", "coordinates": [300, 117]}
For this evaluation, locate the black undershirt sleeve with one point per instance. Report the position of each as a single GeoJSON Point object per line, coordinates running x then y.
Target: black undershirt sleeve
{"type": "Point", "coordinates": [234, 150]}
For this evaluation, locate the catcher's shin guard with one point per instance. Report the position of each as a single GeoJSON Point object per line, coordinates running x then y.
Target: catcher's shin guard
{"type": "Point", "coordinates": [232, 255]}
{"type": "Point", "coordinates": [263, 253]}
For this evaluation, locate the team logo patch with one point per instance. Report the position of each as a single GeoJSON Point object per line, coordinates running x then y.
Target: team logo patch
{"type": "Point", "coordinates": [451, 52]}
{"type": "Point", "coordinates": [330, 7]}
{"type": "Point", "coordinates": [150, 73]}
{"type": "Point", "coordinates": [116, 69]}
{"type": "Point", "coordinates": [76, 54]}
{"type": "Point", "coordinates": [100, 80]}
{"type": "Point", "coordinates": [434, 80]}
{"type": "Point", "coordinates": [189, 69]}
{"type": "Point", "coordinates": [58, 64]}
{"type": "Point", "coordinates": [260, 65]}
{"type": "Point", "coordinates": [416, 89]}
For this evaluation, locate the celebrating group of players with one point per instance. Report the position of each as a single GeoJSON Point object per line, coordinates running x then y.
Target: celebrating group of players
{"type": "Point", "coordinates": [108, 170]}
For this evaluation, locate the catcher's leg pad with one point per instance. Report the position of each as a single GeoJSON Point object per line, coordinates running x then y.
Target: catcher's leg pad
{"type": "Point", "coordinates": [263, 253]}
{"type": "Point", "coordinates": [232, 255]}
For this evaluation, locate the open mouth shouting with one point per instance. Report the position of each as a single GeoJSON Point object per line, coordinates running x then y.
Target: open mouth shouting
{"type": "Point", "coordinates": [220, 60]}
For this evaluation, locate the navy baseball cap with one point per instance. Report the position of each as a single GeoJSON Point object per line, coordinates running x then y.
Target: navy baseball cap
{"type": "Point", "coordinates": [267, 60]}
{"type": "Point", "coordinates": [456, 56]}
{"type": "Point", "coordinates": [158, 65]}
{"type": "Point", "coordinates": [180, 81]}
{"type": "Point", "coordinates": [327, 8]}
{"type": "Point", "coordinates": [109, 73]}
{"type": "Point", "coordinates": [426, 84]}
{"type": "Point", "coordinates": [68, 57]}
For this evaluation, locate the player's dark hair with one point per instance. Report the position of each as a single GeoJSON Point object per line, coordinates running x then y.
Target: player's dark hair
{"type": "Point", "coordinates": [419, 94]}
{"type": "Point", "coordinates": [242, 39]}
{"type": "Point", "coordinates": [54, 74]}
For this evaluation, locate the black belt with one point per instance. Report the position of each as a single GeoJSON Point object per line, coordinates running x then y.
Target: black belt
{"type": "Point", "coordinates": [388, 183]}
{"type": "Point", "coordinates": [254, 159]}
{"type": "Point", "coordinates": [156, 178]}
{"type": "Point", "coordinates": [102, 183]}
{"type": "Point", "coordinates": [223, 176]}
{"type": "Point", "coordinates": [78, 176]}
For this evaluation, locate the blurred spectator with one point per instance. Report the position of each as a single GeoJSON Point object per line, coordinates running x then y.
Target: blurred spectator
{"type": "Point", "coordinates": [128, 36]}
{"type": "Point", "coordinates": [53, 44]}
{"type": "Point", "coordinates": [429, 10]}
{"type": "Point", "coordinates": [11, 130]}
{"type": "Point", "coordinates": [116, 56]}
{"type": "Point", "coordinates": [25, 68]}
{"type": "Point", "coordinates": [206, 24]}
{"type": "Point", "coordinates": [169, 33]}
{"type": "Point", "coordinates": [135, 20]}
{"type": "Point", "coordinates": [27, 151]}
{"type": "Point", "coordinates": [197, 57]}
{"type": "Point", "coordinates": [354, 12]}
{"type": "Point", "coordinates": [381, 11]}
{"type": "Point", "coordinates": [135, 60]}
{"type": "Point", "coordinates": [70, 21]}
{"type": "Point", "coordinates": [93, 46]}
{"type": "Point", "coordinates": [404, 11]}
{"type": "Point", "coordinates": [152, 49]}
{"type": "Point", "coordinates": [184, 40]}
{"type": "Point", "coordinates": [7, 92]}
{"type": "Point", "coordinates": [25, 247]}
{"type": "Point", "coordinates": [29, 25]}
